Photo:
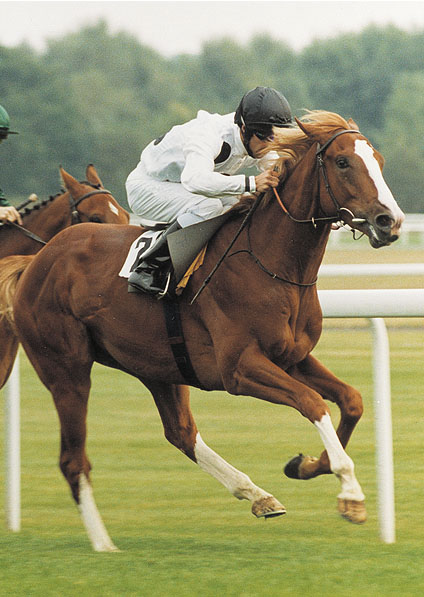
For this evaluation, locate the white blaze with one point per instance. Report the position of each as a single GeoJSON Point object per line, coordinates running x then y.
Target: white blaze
{"type": "Point", "coordinates": [113, 208]}
{"type": "Point", "coordinates": [366, 153]}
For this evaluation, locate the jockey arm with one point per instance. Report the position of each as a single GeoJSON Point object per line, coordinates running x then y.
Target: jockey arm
{"type": "Point", "coordinates": [198, 175]}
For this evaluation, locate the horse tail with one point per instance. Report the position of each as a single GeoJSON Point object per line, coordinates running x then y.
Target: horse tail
{"type": "Point", "coordinates": [11, 269]}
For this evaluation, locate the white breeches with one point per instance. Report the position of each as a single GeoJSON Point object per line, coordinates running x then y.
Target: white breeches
{"type": "Point", "coordinates": [163, 201]}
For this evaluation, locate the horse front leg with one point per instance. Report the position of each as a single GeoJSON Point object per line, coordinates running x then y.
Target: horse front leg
{"type": "Point", "coordinates": [315, 375]}
{"type": "Point", "coordinates": [255, 375]}
{"type": "Point", "coordinates": [348, 399]}
{"type": "Point", "coordinates": [181, 431]}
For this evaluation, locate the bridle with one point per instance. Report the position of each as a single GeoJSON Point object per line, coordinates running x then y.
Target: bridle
{"type": "Point", "coordinates": [323, 171]}
{"type": "Point", "coordinates": [73, 204]}
{"type": "Point", "coordinates": [75, 216]}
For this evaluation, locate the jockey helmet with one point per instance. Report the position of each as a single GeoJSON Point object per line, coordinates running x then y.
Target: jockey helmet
{"type": "Point", "coordinates": [5, 124]}
{"type": "Point", "coordinates": [262, 108]}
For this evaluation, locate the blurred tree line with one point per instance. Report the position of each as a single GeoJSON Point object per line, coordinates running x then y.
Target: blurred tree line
{"type": "Point", "coordinates": [94, 97]}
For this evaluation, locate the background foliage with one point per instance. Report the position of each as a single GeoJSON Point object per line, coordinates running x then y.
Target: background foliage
{"type": "Point", "coordinates": [96, 97]}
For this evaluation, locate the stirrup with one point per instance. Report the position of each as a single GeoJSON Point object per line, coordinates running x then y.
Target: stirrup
{"type": "Point", "coordinates": [161, 295]}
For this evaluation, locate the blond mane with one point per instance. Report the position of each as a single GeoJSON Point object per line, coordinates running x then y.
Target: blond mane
{"type": "Point", "coordinates": [292, 144]}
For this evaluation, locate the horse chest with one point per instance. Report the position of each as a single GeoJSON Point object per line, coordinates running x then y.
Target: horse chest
{"type": "Point", "coordinates": [294, 340]}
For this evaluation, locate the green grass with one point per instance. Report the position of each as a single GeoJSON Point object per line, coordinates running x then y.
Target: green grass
{"type": "Point", "coordinates": [181, 533]}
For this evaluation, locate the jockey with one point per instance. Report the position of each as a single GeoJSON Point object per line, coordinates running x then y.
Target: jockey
{"type": "Point", "coordinates": [191, 173]}
{"type": "Point", "coordinates": [7, 212]}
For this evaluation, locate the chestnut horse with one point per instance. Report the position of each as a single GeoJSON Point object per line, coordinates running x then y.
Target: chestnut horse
{"type": "Point", "coordinates": [250, 332]}
{"type": "Point", "coordinates": [86, 201]}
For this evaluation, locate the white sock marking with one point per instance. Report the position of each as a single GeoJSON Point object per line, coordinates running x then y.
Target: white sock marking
{"type": "Point", "coordinates": [235, 481]}
{"type": "Point", "coordinates": [341, 464]}
{"type": "Point", "coordinates": [91, 518]}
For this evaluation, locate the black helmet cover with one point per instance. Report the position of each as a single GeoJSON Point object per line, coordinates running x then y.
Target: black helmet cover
{"type": "Point", "coordinates": [262, 108]}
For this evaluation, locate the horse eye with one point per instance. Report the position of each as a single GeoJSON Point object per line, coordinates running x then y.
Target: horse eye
{"type": "Point", "coordinates": [95, 219]}
{"type": "Point", "coordinates": [342, 162]}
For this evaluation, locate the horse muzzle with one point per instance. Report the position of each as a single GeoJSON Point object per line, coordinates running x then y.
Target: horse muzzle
{"type": "Point", "coordinates": [383, 229]}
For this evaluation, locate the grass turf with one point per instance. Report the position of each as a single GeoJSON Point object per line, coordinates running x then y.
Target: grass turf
{"type": "Point", "coordinates": [183, 534]}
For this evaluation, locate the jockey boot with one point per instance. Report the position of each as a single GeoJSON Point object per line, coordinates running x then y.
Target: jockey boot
{"type": "Point", "coordinates": [153, 274]}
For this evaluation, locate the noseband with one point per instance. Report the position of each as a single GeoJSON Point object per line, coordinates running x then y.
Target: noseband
{"type": "Point", "coordinates": [73, 204]}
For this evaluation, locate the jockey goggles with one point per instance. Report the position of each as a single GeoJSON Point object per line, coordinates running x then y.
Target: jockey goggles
{"type": "Point", "coordinates": [265, 133]}
{"type": "Point", "coordinates": [264, 136]}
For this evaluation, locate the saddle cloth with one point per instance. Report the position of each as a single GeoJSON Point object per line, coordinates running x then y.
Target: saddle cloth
{"type": "Point", "coordinates": [140, 245]}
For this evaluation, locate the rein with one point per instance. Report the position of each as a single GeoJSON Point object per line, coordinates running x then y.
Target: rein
{"type": "Point", "coordinates": [27, 233]}
{"type": "Point", "coordinates": [227, 250]}
{"type": "Point", "coordinates": [319, 154]}
{"type": "Point", "coordinates": [263, 267]}
{"type": "Point", "coordinates": [321, 166]}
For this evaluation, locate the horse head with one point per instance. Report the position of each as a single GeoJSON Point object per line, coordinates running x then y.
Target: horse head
{"type": "Point", "coordinates": [87, 200]}
{"type": "Point", "coordinates": [351, 179]}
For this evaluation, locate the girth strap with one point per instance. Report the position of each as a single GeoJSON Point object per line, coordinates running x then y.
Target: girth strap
{"type": "Point", "coordinates": [177, 342]}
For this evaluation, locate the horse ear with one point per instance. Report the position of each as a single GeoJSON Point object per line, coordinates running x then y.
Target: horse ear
{"type": "Point", "coordinates": [303, 126]}
{"type": "Point", "coordinates": [92, 176]}
{"type": "Point", "coordinates": [71, 183]}
{"type": "Point", "coordinates": [352, 124]}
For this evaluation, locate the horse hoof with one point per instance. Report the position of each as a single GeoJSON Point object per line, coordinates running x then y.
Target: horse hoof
{"type": "Point", "coordinates": [292, 467]}
{"type": "Point", "coordinates": [301, 467]}
{"type": "Point", "coordinates": [267, 507]}
{"type": "Point", "coordinates": [352, 510]}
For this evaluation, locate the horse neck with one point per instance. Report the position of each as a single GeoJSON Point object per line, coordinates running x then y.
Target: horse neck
{"type": "Point", "coordinates": [295, 249]}
{"type": "Point", "coordinates": [45, 222]}
{"type": "Point", "coordinates": [56, 216]}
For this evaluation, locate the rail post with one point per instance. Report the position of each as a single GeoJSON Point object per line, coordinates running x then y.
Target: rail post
{"type": "Point", "coordinates": [383, 430]}
{"type": "Point", "coordinates": [13, 450]}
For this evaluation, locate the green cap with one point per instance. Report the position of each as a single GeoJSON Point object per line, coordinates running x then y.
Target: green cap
{"type": "Point", "coordinates": [5, 124]}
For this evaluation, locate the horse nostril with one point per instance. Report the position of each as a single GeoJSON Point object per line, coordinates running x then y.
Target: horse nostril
{"type": "Point", "coordinates": [384, 222]}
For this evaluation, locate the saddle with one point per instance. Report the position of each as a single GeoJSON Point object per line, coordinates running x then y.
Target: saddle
{"type": "Point", "coordinates": [187, 248]}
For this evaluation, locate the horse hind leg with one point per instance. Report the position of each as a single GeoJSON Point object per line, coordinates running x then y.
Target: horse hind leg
{"type": "Point", "coordinates": [8, 348]}
{"type": "Point", "coordinates": [180, 430]}
{"type": "Point", "coordinates": [76, 467]}
{"type": "Point", "coordinates": [67, 377]}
